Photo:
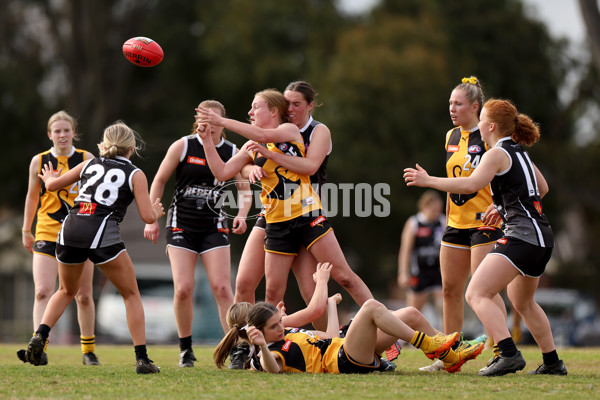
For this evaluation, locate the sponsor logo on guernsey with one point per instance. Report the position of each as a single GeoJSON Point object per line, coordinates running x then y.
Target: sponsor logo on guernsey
{"type": "Point", "coordinates": [40, 244]}
{"type": "Point", "coordinates": [538, 206]}
{"type": "Point", "coordinates": [176, 229]}
{"type": "Point", "coordinates": [474, 149]}
{"type": "Point", "coordinates": [486, 228]}
{"type": "Point", "coordinates": [87, 208]}
{"type": "Point", "coordinates": [223, 230]}
{"type": "Point", "coordinates": [286, 345]}
{"type": "Point", "coordinates": [294, 330]}
{"type": "Point", "coordinates": [453, 148]}
{"type": "Point", "coordinates": [317, 221]}
{"type": "Point", "coordinates": [309, 201]}
{"type": "Point", "coordinates": [423, 231]}
{"type": "Point", "coordinates": [502, 241]}
{"type": "Point", "coordinates": [196, 160]}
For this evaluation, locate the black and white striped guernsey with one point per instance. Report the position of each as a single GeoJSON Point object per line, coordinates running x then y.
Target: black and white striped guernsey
{"type": "Point", "coordinates": [197, 192]}
{"type": "Point", "coordinates": [105, 192]}
{"type": "Point", "coordinates": [517, 198]}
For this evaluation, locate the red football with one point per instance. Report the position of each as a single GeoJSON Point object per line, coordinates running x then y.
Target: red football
{"type": "Point", "coordinates": [143, 51]}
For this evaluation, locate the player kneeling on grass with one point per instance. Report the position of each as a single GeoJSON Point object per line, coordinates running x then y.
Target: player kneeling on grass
{"type": "Point", "coordinates": [108, 185]}
{"type": "Point", "coordinates": [373, 329]}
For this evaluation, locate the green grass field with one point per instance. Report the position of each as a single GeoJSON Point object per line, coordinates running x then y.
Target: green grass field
{"type": "Point", "coordinates": [66, 377]}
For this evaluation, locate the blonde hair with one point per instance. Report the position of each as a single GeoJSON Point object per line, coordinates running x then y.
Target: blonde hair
{"type": "Point", "coordinates": [275, 100]}
{"type": "Point", "coordinates": [519, 127]}
{"type": "Point", "coordinates": [237, 316]}
{"type": "Point", "coordinates": [473, 90]}
{"type": "Point", "coordinates": [62, 115]}
{"type": "Point", "coordinates": [217, 105]}
{"type": "Point", "coordinates": [118, 140]}
{"type": "Point", "coordinates": [428, 197]}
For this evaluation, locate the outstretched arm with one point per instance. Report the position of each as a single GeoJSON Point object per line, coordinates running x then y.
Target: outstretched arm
{"type": "Point", "coordinates": [283, 133]}
{"type": "Point", "coordinates": [492, 162]}
{"type": "Point", "coordinates": [320, 145]}
{"type": "Point", "coordinates": [318, 302]}
{"type": "Point", "coordinates": [223, 171]}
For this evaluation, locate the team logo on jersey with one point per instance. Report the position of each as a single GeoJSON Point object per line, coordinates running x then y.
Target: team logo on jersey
{"type": "Point", "coordinates": [87, 208]}
{"type": "Point", "coordinates": [453, 148]}
{"type": "Point", "coordinates": [196, 160]}
{"type": "Point", "coordinates": [474, 149]}
{"type": "Point", "coordinates": [317, 221]}
{"type": "Point", "coordinates": [286, 345]}
{"type": "Point", "coordinates": [282, 146]}
{"type": "Point", "coordinates": [538, 206]}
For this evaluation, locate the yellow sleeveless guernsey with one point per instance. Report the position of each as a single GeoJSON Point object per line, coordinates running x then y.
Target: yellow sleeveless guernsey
{"type": "Point", "coordinates": [285, 194]}
{"type": "Point", "coordinates": [54, 206]}
{"type": "Point", "coordinates": [464, 150]}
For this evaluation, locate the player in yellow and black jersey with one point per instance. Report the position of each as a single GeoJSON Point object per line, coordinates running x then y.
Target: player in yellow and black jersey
{"type": "Point", "coordinates": [373, 329]}
{"type": "Point", "coordinates": [53, 208]}
{"type": "Point", "coordinates": [296, 217]}
{"type": "Point", "coordinates": [467, 240]}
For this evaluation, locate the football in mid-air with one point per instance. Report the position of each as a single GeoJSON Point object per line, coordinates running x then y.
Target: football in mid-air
{"type": "Point", "coordinates": [143, 51]}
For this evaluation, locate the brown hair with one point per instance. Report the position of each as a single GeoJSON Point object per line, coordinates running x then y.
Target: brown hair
{"type": "Point", "coordinates": [62, 115]}
{"type": "Point", "coordinates": [118, 139]}
{"type": "Point", "coordinates": [305, 89]}
{"type": "Point", "coordinates": [236, 320]}
{"type": "Point", "coordinates": [275, 100]}
{"type": "Point", "coordinates": [520, 127]}
{"type": "Point", "coordinates": [473, 90]}
{"type": "Point", "coordinates": [217, 105]}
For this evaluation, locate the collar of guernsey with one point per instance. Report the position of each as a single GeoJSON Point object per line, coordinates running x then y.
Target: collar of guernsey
{"type": "Point", "coordinates": [286, 194]}
{"type": "Point", "coordinates": [465, 211]}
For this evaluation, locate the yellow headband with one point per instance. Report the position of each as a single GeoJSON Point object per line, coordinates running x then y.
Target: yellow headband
{"type": "Point", "coordinates": [472, 80]}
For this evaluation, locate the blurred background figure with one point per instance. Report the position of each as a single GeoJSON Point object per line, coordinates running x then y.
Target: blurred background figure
{"type": "Point", "coordinates": [419, 256]}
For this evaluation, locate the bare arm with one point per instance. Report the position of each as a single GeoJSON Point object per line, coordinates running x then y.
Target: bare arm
{"type": "Point", "coordinates": [149, 212]}
{"type": "Point", "coordinates": [318, 302]}
{"type": "Point", "coordinates": [54, 180]}
{"type": "Point", "coordinates": [32, 200]}
{"type": "Point", "coordinates": [269, 361]}
{"type": "Point", "coordinates": [245, 203]}
{"type": "Point", "coordinates": [492, 162]}
{"type": "Point", "coordinates": [223, 171]}
{"type": "Point", "coordinates": [316, 153]}
{"type": "Point", "coordinates": [541, 181]}
{"type": "Point", "coordinates": [407, 245]}
{"type": "Point", "coordinates": [165, 171]}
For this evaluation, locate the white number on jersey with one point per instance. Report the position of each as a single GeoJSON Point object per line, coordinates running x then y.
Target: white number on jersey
{"type": "Point", "coordinates": [107, 192]}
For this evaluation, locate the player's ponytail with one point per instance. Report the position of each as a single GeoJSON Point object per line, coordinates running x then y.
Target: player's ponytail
{"type": "Point", "coordinates": [118, 140]}
{"type": "Point", "coordinates": [236, 320]}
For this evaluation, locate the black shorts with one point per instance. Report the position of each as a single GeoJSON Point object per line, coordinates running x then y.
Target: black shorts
{"type": "Point", "coordinates": [426, 279]}
{"type": "Point", "coordinates": [288, 236]}
{"type": "Point", "coordinates": [198, 242]}
{"type": "Point", "coordinates": [261, 222]}
{"type": "Point", "coordinates": [528, 259]}
{"type": "Point", "coordinates": [472, 237]}
{"type": "Point", "coordinates": [45, 248]}
{"type": "Point", "coordinates": [78, 255]}
{"type": "Point", "coordinates": [346, 365]}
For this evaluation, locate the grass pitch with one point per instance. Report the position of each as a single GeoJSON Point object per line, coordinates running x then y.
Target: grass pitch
{"type": "Point", "coordinates": [66, 378]}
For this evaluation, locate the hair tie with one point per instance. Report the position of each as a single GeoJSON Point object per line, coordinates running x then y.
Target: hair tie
{"type": "Point", "coordinates": [472, 80]}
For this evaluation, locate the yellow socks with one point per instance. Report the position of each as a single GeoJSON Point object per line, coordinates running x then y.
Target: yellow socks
{"type": "Point", "coordinates": [88, 344]}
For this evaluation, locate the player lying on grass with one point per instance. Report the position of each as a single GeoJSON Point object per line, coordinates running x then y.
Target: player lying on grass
{"type": "Point", "coordinates": [373, 329]}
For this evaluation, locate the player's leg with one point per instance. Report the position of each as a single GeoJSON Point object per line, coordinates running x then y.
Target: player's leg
{"type": "Point", "coordinates": [217, 263]}
{"type": "Point", "coordinates": [45, 272]}
{"type": "Point", "coordinates": [251, 268]}
{"type": "Point", "coordinates": [303, 267]}
{"type": "Point", "coordinates": [277, 270]}
{"type": "Point", "coordinates": [455, 264]}
{"type": "Point", "coordinates": [86, 314]}
{"type": "Point", "coordinates": [183, 263]}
